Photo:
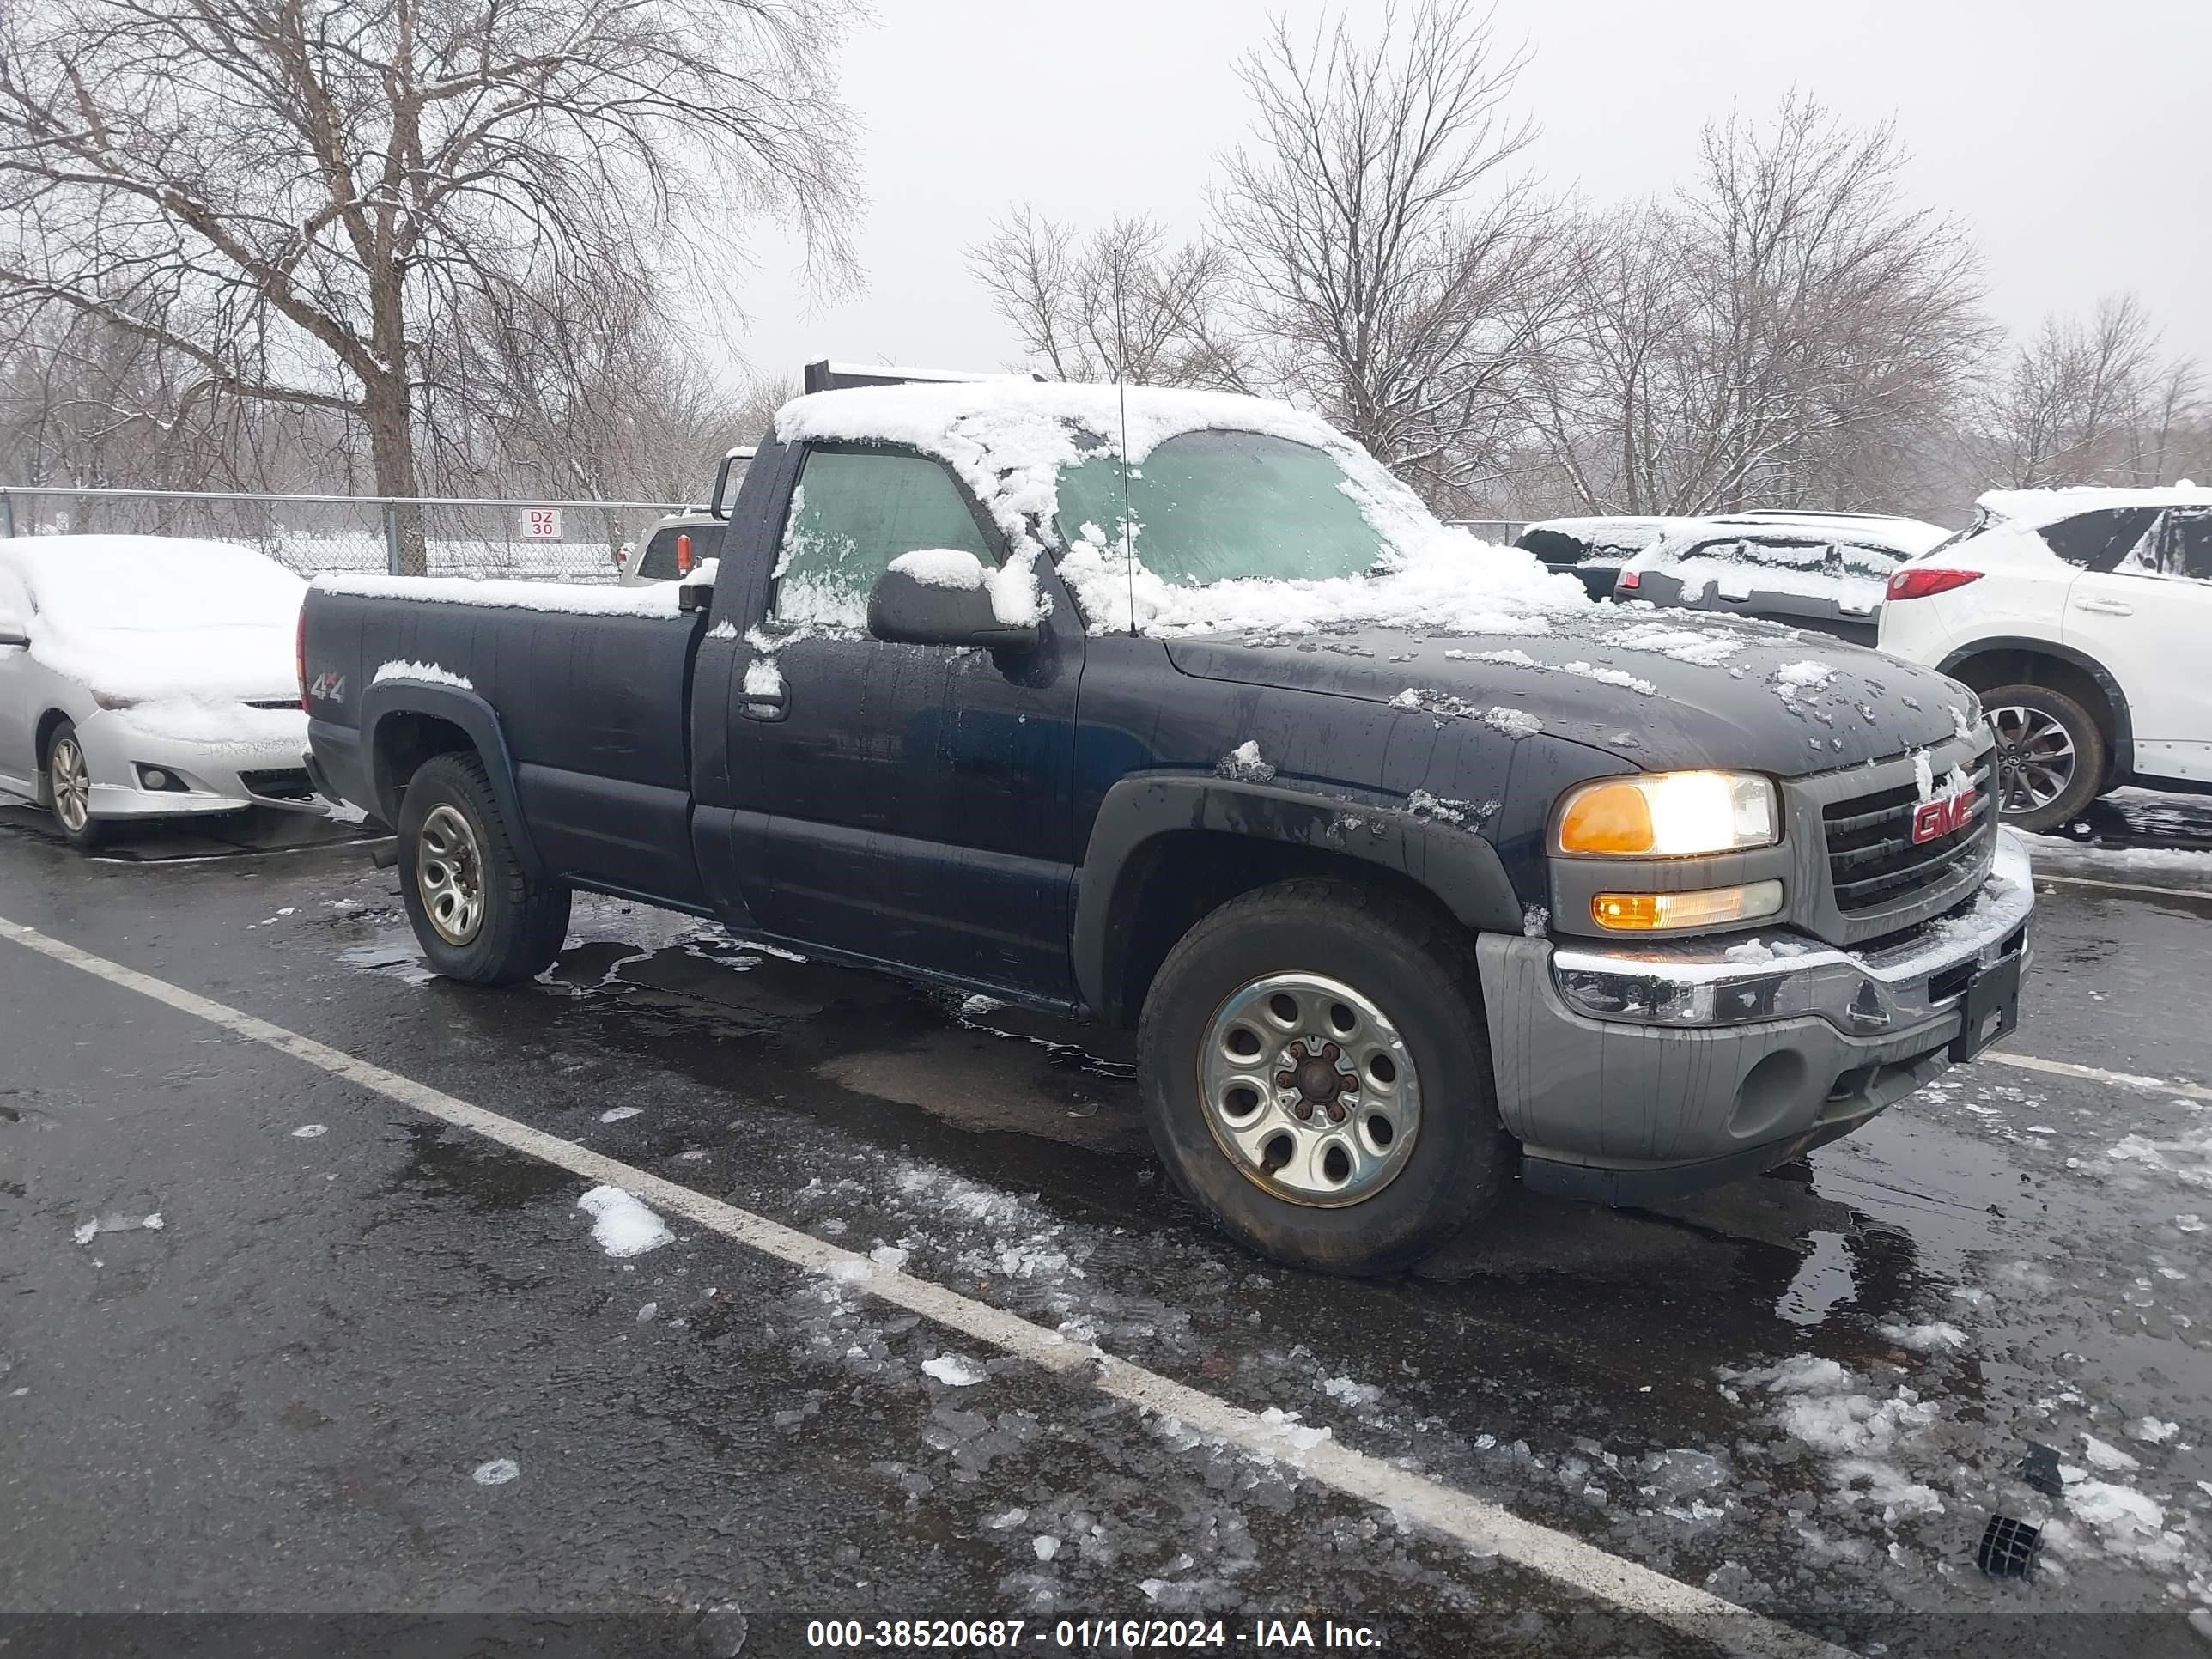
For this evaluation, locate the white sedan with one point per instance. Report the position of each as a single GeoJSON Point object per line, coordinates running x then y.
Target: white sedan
{"type": "Point", "coordinates": [149, 677]}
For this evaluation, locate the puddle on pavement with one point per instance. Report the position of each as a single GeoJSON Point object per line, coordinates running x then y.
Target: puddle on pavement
{"type": "Point", "coordinates": [445, 1163]}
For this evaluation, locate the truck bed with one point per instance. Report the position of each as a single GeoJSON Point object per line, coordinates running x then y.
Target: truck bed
{"type": "Point", "coordinates": [590, 699]}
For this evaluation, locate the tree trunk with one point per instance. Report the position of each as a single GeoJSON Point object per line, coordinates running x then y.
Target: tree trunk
{"type": "Point", "coordinates": [392, 453]}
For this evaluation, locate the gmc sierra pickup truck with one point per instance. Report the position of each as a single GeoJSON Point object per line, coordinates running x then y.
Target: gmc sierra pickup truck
{"type": "Point", "coordinates": [1413, 867]}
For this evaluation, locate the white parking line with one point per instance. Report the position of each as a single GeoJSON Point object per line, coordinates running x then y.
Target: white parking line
{"type": "Point", "coordinates": [2129, 1079]}
{"type": "Point", "coordinates": [1482, 1527]}
{"type": "Point", "coordinates": [2124, 887]}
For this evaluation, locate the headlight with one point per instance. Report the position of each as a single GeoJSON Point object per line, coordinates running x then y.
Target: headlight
{"type": "Point", "coordinates": [1667, 815]}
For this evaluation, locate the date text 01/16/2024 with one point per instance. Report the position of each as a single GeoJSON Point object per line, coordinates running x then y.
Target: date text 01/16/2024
{"type": "Point", "coordinates": [1091, 1635]}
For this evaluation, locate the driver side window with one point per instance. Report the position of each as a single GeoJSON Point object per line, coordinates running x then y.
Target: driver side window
{"type": "Point", "coordinates": [856, 508]}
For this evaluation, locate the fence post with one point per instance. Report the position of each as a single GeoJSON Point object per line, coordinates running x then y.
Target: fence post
{"type": "Point", "coordinates": [6, 514]}
{"type": "Point", "coordinates": [391, 538]}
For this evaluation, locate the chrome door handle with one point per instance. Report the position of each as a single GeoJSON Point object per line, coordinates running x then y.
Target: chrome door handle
{"type": "Point", "coordinates": [2106, 607]}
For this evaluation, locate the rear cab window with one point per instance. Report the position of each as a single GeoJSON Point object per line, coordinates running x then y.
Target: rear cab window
{"type": "Point", "coordinates": [661, 562]}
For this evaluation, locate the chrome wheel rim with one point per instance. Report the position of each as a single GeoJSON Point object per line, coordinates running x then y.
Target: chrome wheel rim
{"type": "Point", "coordinates": [71, 783]}
{"type": "Point", "coordinates": [449, 875]}
{"type": "Point", "coordinates": [1309, 1089]}
{"type": "Point", "coordinates": [2035, 758]}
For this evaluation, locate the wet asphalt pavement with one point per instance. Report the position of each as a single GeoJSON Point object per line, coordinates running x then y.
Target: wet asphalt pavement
{"type": "Point", "coordinates": [292, 1395]}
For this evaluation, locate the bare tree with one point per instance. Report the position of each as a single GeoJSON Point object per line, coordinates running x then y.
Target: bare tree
{"type": "Point", "coordinates": [1391, 273]}
{"type": "Point", "coordinates": [611, 411]}
{"type": "Point", "coordinates": [2092, 402]}
{"type": "Point", "coordinates": [304, 201]}
{"type": "Point", "coordinates": [1118, 304]}
{"type": "Point", "coordinates": [1789, 329]}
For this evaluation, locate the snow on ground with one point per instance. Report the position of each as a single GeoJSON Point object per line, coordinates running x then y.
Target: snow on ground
{"type": "Point", "coordinates": [2156, 867]}
{"type": "Point", "coordinates": [954, 1370]}
{"type": "Point", "coordinates": [623, 1225]}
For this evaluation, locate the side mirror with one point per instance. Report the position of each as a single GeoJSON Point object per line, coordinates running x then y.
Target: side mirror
{"type": "Point", "coordinates": [11, 629]}
{"type": "Point", "coordinates": [940, 596]}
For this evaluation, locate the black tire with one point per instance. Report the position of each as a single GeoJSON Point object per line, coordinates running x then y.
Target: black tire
{"type": "Point", "coordinates": [521, 924]}
{"type": "Point", "coordinates": [2022, 716]}
{"type": "Point", "coordinates": [1414, 965]}
{"type": "Point", "coordinates": [89, 831]}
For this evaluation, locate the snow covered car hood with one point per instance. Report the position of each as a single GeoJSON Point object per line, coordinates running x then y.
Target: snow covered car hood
{"type": "Point", "coordinates": [1660, 691]}
{"type": "Point", "coordinates": [207, 665]}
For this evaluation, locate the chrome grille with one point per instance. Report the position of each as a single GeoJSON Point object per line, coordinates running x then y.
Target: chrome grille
{"type": "Point", "coordinates": [1873, 860]}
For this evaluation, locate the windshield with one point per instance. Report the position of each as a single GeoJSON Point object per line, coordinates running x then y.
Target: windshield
{"type": "Point", "coordinates": [140, 586]}
{"type": "Point", "coordinates": [1212, 507]}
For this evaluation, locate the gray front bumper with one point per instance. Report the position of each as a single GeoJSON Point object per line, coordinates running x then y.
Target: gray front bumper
{"type": "Point", "coordinates": [1633, 1074]}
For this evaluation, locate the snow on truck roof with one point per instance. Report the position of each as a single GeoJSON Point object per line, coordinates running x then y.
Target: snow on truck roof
{"type": "Point", "coordinates": [1009, 441]}
{"type": "Point", "coordinates": [2037, 507]}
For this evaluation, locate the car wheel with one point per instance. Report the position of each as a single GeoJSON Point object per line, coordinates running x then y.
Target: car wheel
{"type": "Point", "coordinates": [2049, 759]}
{"type": "Point", "coordinates": [69, 789]}
{"type": "Point", "coordinates": [478, 916]}
{"type": "Point", "coordinates": [1315, 1073]}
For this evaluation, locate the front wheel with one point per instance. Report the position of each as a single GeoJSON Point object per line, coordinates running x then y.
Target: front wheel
{"type": "Point", "coordinates": [2050, 759]}
{"type": "Point", "coordinates": [477, 914]}
{"type": "Point", "coordinates": [69, 789]}
{"type": "Point", "coordinates": [1315, 1075]}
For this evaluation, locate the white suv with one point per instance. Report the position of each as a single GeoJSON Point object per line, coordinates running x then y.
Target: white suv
{"type": "Point", "coordinates": [2083, 618]}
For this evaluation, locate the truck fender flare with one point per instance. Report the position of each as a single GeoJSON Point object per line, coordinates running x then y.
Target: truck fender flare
{"type": "Point", "coordinates": [2124, 725]}
{"type": "Point", "coordinates": [1456, 866]}
{"type": "Point", "coordinates": [474, 716]}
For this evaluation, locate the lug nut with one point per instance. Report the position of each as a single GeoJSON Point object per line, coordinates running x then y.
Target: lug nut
{"type": "Point", "coordinates": [1304, 1109]}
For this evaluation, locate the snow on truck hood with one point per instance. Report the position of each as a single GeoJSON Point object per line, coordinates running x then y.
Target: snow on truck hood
{"type": "Point", "coordinates": [1658, 690]}
{"type": "Point", "coordinates": [158, 618]}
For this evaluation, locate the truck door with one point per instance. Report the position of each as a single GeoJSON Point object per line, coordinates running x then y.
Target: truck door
{"type": "Point", "coordinates": [907, 804]}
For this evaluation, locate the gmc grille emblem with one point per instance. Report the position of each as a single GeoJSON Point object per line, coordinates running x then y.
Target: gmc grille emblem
{"type": "Point", "coordinates": [1940, 817]}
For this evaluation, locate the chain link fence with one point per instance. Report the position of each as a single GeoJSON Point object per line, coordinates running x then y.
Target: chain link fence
{"type": "Point", "coordinates": [564, 541]}
{"type": "Point", "coordinates": [1504, 532]}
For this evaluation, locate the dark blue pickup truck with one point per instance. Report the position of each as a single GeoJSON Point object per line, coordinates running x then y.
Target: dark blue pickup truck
{"type": "Point", "coordinates": [1414, 868]}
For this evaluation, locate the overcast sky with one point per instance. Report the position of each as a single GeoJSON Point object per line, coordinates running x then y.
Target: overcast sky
{"type": "Point", "coordinates": [2075, 141]}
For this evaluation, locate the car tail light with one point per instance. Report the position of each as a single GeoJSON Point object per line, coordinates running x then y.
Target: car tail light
{"type": "Point", "coordinates": [1919, 581]}
{"type": "Point", "coordinates": [682, 555]}
{"type": "Point", "coordinates": [1631, 579]}
{"type": "Point", "coordinates": [299, 655]}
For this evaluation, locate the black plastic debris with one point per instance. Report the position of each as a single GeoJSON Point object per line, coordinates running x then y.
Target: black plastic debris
{"type": "Point", "coordinates": [2008, 1548]}
{"type": "Point", "coordinates": [2039, 1468]}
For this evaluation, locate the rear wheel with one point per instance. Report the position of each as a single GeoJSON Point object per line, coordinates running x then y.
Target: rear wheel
{"type": "Point", "coordinates": [69, 789]}
{"type": "Point", "coordinates": [1316, 1076]}
{"type": "Point", "coordinates": [2051, 755]}
{"type": "Point", "coordinates": [478, 916]}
